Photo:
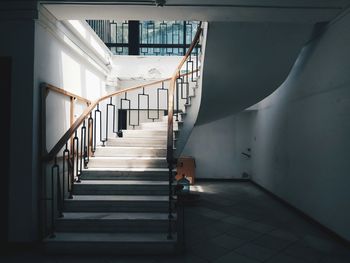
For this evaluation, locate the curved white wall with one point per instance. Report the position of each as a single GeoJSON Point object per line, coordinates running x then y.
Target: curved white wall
{"type": "Point", "coordinates": [245, 62]}
{"type": "Point", "coordinates": [301, 144]}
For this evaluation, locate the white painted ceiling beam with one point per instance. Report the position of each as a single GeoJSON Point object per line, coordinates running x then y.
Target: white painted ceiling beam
{"type": "Point", "coordinates": [230, 13]}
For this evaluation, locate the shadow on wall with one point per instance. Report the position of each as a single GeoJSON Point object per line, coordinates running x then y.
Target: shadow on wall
{"type": "Point", "coordinates": [217, 147]}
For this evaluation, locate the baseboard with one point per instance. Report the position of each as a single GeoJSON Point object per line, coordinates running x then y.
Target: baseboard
{"type": "Point", "coordinates": [310, 219]}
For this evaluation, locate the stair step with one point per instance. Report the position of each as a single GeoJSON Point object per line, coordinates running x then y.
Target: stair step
{"type": "Point", "coordinates": [160, 125]}
{"type": "Point", "coordinates": [159, 128]}
{"type": "Point", "coordinates": [181, 114]}
{"type": "Point", "coordinates": [122, 151]}
{"type": "Point", "coordinates": [125, 174]}
{"type": "Point", "coordinates": [128, 162]}
{"type": "Point", "coordinates": [110, 243]}
{"type": "Point", "coordinates": [112, 222]}
{"type": "Point", "coordinates": [137, 142]}
{"type": "Point", "coordinates": [116, 203]}
{"type": "Point", "coordinates": [121, 187]}
{"type": "Point", "coordinates": [144, 133]}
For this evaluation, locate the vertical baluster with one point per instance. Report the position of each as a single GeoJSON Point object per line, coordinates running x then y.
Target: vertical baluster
{"type": "Point", "coordinates": [75, 157]}
{"type": "Point", "coordinates": [170, 216]}
{"type": "Point", "coordinates": [120, 120]}
{"type": "Point", "coordinates": [177, 100]}
{"type": "Point", "coordinates": [69, 175]}
{"type": "Point", "coordinates": [95, 128]}
{"type": "Point", "coordinates": [114, 108]}
{"type": "Point", "coordinates": [90, 137]}
{"type": "Point", "coordinates": [158, 101]}
{"type": "Point", "coordinates": [53, 218]}
{"type": "Point", "coordinates": [129, 113]}
{"type": "Point", "coordinates": [107, 120]}
{"type": "Point", "coordinates": [65, 161]}
{"type": "Point", "coordinates": [101, 133]}
{"type": "Point", "coordinates": [82, 146]}
{"type": "Point", "coordinates": [197, 58]}
{"type": "Point", "coordinates": [187, 91]}
{"type": "Point", "coordinates": [184, 38]}
{"type": "Point", "coordinates": [138, 106]}
{"type": "Point", "coordinates": [148, 110]}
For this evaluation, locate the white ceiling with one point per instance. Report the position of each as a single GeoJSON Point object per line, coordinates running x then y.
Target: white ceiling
{"type": "Point", "coordinates": [295, 11]}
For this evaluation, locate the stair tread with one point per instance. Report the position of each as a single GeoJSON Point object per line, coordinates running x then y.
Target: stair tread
{"type": "Point", "coordinates": [134, 147]}
{"type": "Point", "coordinates": [117, 169]}
{"type": "Point", "coordinates": [118, 198]}
{"type": "Point", "coordinates": [150, 138]}
{"type": "Point", "coordinates": [114, 216]}
{"type": "Point", "coordinates": [111, 237]}
{"type": "Point", "coordinates": [127, 158]}
{"type": "Point", "coordinates": [122, 182]}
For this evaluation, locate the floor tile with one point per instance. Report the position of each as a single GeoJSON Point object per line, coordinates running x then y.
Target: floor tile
{"type": "Point", "coordinates": [228, 242]}
{"type": "Point", "coordinates": [256, 252]}
{"type": "Point", "coordinates": [233, 257]}
{"type": "Point", "coordinates": [208, 251]}
{"type": "Point", "coordinates": [272, 242]}
{"type": "Point", "coordinates": [283, 258]}
{"type": "Point", "coordinates": [304, 253]}
{"type": "Point", "coordinates": [244, 233]}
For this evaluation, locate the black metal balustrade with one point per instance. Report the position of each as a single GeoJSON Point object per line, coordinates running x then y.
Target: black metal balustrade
{"type": "Point", "coordinates": [151, 38]}
{"type": "Point", "coordinates": [71, 155]}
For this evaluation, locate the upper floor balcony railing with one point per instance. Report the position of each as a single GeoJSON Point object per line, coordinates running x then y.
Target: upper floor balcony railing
{"type": "Point", "coordinates": [148, 38]}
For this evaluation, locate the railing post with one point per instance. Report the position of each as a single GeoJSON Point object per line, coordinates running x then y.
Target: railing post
{"type": "Point", "coordinates": [53, 218]}
{"type": "Point", "coordinates": [180, 223]}
{"type": "Point", "coordinates": [170, 216]}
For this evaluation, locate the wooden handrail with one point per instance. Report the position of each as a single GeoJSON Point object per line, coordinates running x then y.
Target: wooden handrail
{"type": "Point", "coordinates": [170, 135]}
{"type": "Point", "coordinates": [66, 93]}
{"type": "Point", "coordinates": [68, 134]}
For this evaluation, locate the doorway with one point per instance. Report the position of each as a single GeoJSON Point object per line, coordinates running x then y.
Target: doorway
{"type": "Point", "coordinates": [5, 97]}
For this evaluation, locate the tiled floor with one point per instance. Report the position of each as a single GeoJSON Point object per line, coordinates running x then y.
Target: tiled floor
{"type": "Point", "coordinates": [233, 222]}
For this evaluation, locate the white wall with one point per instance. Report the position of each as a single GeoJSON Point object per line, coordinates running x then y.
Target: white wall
{"type": "Point", "coordinates": [217, 147]}
{"type": "Point", "coordinates": [245, 62]}
{"type": "Point", "coordinates": [59, 63]}
{"type": "Point", "coordinates": [301, 144]}
{"type": "Point", "coordinates": [142, 68]}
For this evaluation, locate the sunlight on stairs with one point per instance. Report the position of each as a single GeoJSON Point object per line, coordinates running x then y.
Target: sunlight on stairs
{"type": "Point", "coordinates": [121, 204]}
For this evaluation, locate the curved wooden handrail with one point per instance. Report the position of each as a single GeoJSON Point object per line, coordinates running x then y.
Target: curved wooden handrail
{"type": "Point", "coordinates": [68, 134]}
{"type": "Point", "coordinates": [170, 135]}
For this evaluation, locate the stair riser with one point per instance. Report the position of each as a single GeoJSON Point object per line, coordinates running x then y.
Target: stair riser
{"type": "Point", "coordinates": [144, 133]}
{"type": "Point", "coordinates": [115, 206]}
{"type": "Point", "coordinates": [161, 128]}
{"type": "Point", "coordinates": [129, 152]}
{"type": "Point", "coordinates": [116, 248]}
{"type": "Point", "coordinates": [112, 226]}
{"type": "Point", "coordinates": [159, 125]}
{"type": "Point", "coordinates": [106, 175]}
{"type": "Point", "coordinates": [136, 142]}
{"type": "Point", "coordinates": [136, 163]}
{"type": "Point", "coordinates": [126, 175]}
{"type": "Point", "coordinates": [81, 189]}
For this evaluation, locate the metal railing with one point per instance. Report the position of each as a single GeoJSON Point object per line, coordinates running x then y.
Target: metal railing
{"type": "Point", "coordinates": [148, 38]}
{"type": "Point", "coordinates": [71, 154]}
{"type": "Point", "coordinates": [178, 80]}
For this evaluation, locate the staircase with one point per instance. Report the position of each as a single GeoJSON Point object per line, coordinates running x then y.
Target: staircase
{"type": "Point", "coordinates": [121, 203]}
{"type": "Point", "coordinates": [107, 194]}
